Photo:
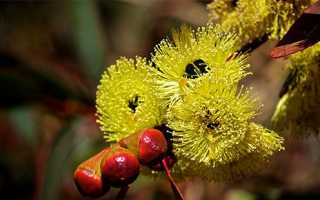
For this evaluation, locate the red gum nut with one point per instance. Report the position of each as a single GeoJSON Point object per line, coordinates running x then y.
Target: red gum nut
{"type": "Point", "coordinates": [87, 176]}
{"type": "Point", "coordinates": [120, 168]}
{"type": "Point", "coordinates": [89, 184]}
{"type": "Point", "coordinates": [170, 159]}
{"type": "Point", "coordinates": [152, 146]}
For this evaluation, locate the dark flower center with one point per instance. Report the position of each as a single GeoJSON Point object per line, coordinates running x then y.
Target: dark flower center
{"type": "Point", "coordinates": [196, 69]}
{"type": "Point", "coordinates": [133, 103]}
{"type": "Point", "coordinates": [234, 3]}
{"type": "Point", "coordinates": [213, 125]}
{"type": "Point", "coordinates": [207, 119]}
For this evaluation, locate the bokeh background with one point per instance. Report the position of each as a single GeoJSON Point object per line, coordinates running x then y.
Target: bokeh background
{"type": "Point", "coordinates": [52, 54]}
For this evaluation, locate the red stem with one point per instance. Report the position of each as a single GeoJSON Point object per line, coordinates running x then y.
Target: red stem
{"type": "Point", "coordinates": [174, 186]}
{"type": "Point", "coordinates": [122, 193]}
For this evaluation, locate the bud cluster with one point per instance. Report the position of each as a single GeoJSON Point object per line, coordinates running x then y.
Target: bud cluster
{"type": "Point", "coordinates": [119, 164]}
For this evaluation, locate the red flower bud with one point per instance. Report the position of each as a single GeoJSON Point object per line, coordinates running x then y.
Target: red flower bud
{"type": "Point", "coordinates": [120, 168]}
{"type": "Point", "coordinates": [89, 183]}
{"type": "Point", "coordinates": [152, 146]}
{"type": "Point", "coordinates": [87, 176]}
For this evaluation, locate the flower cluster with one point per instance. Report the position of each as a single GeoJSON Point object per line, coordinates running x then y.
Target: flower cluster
{"type": "Point", "coordinates": [254, 19]}
{"type": "Point", "coordinates": [192, 86]}
{"type": "Point", "coordinates": [119, 165]}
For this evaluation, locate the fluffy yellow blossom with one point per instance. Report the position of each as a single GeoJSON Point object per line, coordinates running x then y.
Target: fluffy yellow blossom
{"type": "Point", "coordinates": [211, 123]}
{"type": "Point", "coordinates": [193, 54]}
{"type": "Point", "coordinates": [126, 100]}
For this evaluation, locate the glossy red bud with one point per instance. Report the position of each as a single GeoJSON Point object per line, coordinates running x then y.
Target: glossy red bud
{"type": "Point", "coordinates": [87, 176]}
{"type": "Point", "coordinates": [120, 168]}
{"type": "Point", "coordinates": [89, 183]}
{"type": "Point", "coordinates": [152, 146]}
{"type": "Point", "coordinates": [170, 159]}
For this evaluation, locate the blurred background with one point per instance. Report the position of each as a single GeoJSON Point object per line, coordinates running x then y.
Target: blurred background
{"type": "Point", "coordinates": [52, 54]}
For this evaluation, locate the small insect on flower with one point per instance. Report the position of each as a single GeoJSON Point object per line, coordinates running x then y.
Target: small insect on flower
{"type": "Point", "coordinates": [193, 54]}
{"type": "Point", "coordinates": [126, 99]}
{"type": "Point", "coordinates": [211, 123]}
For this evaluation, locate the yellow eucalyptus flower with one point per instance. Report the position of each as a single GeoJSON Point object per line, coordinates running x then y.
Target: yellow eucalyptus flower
{"type": "Point", "coordinates": [211, 122]}
{"type": "Point", "coordinates": [126, 100]}
{"type": "Point", "coordinates": [193, 54]}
